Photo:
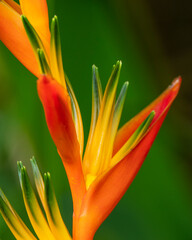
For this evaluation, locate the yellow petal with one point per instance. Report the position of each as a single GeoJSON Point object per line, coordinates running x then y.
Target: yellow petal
{"type": "Point", "coordinates": [95, 152]}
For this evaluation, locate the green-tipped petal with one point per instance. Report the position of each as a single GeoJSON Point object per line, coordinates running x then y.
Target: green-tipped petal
{"type": "Point", "coordinates": [115, 123]}
{"type": "Point", "coordinates": [13, 221]}
{"type": "Point", "coordinates": [33, 36]}
{"type": "Point", "coordinates": [120, 103]}
{"type": "Point", "coordinates": [38, 180]}
{"type": "Point", "coordinates": [34, 211]}
{"type": "Point", "coordinates": [49, 202]}
{"type": "Point", "coordinates": [97, 95]}
{"type": "Point", "coordinates": [93, 161]}
{"type": "Point", "coordinates": [55, 53]}
{"type": "Point", "coordinates": [76, 115]}
{"type": "Point", "coordinates": [43, 62]}
{"type": "Point", "coordinates": [53, 213]}
{"type": "Point", "coordinates": [133, 140]}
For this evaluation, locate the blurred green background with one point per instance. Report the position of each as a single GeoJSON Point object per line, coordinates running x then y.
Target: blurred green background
{"type": "Point", "coordinates": [154, 41]}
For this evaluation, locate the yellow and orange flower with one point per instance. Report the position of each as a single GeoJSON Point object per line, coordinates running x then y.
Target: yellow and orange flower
{"type": "Point", "coordinates": [100, 176]}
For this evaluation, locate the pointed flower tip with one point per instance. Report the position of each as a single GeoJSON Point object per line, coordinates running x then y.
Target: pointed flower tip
{"type": "Point", "coordinates": [19, 165]}
{"type": "Point", "coordinates": [55, 17]}
{"type": "Point", "coordinates": [1, 193]}
{"type": "Point", "coordinates": [21, 170]}
{"type": "Point", "coordinates": [23, 17]}
{"type": "Point", "coordinates": [152, 114]}
{"type": "Point", "coordinates": [175, 85]}
{"type": "Point", "coordinates": [116, 71]}
{"type": "Point", "coordinates": [54, 20]}
{"type": "Point", "coordinates": [32, 160]}
{"type": "Point", "coordinates": [118, 65]}
{"type": "Point", "coordinates": [126, 84]}
{"type": "Point", "coordinates": [24, 20]}
{"type": "Point", "coordinates": [46, 177]}
{"type": "Point", "coordinates": [94, 67]}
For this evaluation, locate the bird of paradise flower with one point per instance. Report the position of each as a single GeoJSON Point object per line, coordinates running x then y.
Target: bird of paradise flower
{"type": "Point", "coordinates": [100, 176]}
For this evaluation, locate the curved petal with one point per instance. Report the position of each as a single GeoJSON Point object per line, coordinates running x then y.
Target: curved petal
{"type": "Point", "coordinates": [157, 105]}
{"type": "Point", "coordinates": [104, 194]}
{"type": "Point", "coordinates": [37, 13]}
{"type": "Point", "coordinates": [13, 35]}
{"type": "Point", "coordinates": [57, 107]}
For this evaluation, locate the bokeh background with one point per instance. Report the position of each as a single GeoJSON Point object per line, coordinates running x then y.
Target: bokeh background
{"type": "Point", "coordinates": [154, 41]}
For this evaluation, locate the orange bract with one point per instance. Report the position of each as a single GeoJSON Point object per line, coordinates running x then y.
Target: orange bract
{"type": "Point", "coordinates": [56, 103]}
{"type": "Point", "coordinates": [12, 34]}
{"type": "Point", "coordinates": [37, 13]}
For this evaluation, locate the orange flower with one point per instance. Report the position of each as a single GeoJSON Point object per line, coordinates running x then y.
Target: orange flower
{"type": "Point", "coordinates": [99, 177]}
{"type": "Point", "coordinates": [112, 158]}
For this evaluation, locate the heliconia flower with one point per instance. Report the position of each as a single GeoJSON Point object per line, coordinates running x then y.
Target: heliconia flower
{"type": "Point", "coordinates": [100, 174]}
{"type": "Point", "coordinates": [112, 157]}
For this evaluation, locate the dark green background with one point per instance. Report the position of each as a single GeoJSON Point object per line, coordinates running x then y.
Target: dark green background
{"type": "Point", "coordinates": [154, 41]}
